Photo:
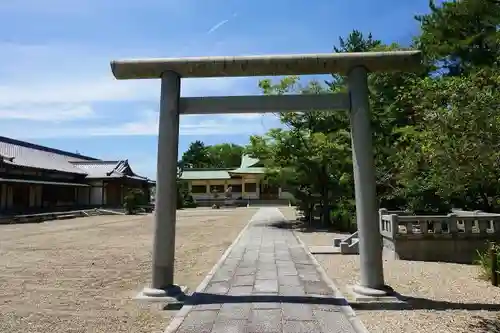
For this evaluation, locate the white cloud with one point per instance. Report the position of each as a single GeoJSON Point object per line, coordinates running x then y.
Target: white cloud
{"type": "Point", "coordinates": [147, 124]}
{"type": "Point", "coordinates": [217, 26]}
{"type": "Point", "coordinates": [100, 89]}
{"type": "Point", "coordinates": [59, 87]}
{"type": "Point", "coordinates": [45, 112]}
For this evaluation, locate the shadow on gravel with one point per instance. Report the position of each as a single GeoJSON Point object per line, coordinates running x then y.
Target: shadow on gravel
{"type": "Point", "coordinates": [485, 325]}
{"type": "Point", "coordinates": [415, 303]}
{"type": "Point", "coordinates": [302, 226]}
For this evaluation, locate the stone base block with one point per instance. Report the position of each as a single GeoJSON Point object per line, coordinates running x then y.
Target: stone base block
{"type": "Point", "coordinates": [359, 293]}
{"type": "Point", "coordinates": [168, 299]}
{"type": "Point", "coordinates": [337, 241]}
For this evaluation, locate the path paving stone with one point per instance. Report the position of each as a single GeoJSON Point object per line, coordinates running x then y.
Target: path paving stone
{"type": "Point", "coordinates": [268, 283]}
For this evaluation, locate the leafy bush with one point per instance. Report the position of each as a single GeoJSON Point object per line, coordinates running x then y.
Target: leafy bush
{"type": "Point", "coordinates": [134, 198]}
{"type": "Point", "coordinates": [343, 216]}
{"type": "Point", "coordinates": [188, 201]}
{"type": "Point", "coordinates": [484, 261]}
{"type": "Point", "coordinates": [180, 199]}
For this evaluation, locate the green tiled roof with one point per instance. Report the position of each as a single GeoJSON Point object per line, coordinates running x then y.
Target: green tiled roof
{"type": "Point", "coordinates": [206, 174]}
{"type": "Point", "coordinates": [247, 161]}
{"type": "Point", "coordinates": [202, 174]}
{"type": "Point", "coordinates": [254, 170]}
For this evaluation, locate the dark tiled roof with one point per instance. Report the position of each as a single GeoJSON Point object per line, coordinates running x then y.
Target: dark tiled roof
{"type": "Point", "coordinates": [31, 155]}
{"type": "Point", "coordinates": [107, 169]}
{"type": "Point", "coordinates": [102, 169]}
{"type": "Point", "coordinates": [27, 154]}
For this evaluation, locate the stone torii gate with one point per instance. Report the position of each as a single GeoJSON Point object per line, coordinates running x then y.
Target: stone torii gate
{"type": "Point", "coordinates": [354, 65]}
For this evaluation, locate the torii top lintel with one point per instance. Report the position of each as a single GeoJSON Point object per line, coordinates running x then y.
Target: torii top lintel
{"type": "Point", "coordinates": [267, 65]}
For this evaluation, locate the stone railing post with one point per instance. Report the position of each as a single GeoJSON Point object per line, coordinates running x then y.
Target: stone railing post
{"type": "Point", "coordinates": [394, 225]}
{"type": "Point", "coordinates": [452, 223]}
{"type": "Point", "coordinates": [496, 225]}
{"type": "Point", "coordinates": [382, 212]}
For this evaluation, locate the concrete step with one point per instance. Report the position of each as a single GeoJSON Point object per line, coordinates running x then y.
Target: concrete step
{"type": "Point", "coordinates": [66, 216]}
{"type": "Point", "coordinates": [324, 250]}
{"type": "Point", "coordinates": [350, 248]}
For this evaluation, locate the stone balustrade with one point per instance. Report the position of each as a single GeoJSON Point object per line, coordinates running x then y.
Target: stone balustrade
{"type": "Point", "coordinates": [455, 237]}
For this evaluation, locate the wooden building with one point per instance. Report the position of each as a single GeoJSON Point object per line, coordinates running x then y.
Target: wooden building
{"type": "Point", "coordinates": [248, 182]}
{"type": "Point", "coordinates": [35, 178]}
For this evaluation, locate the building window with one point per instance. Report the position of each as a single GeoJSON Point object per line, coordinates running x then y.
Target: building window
{"type": "Point", "coordinates": [219, 188]}
{"type": "Point", "coordinates": [237, 188]}
{"type": "Point", "coordinates": [250, 187]}
{"type": "Point", "coordinates": [198, 189]}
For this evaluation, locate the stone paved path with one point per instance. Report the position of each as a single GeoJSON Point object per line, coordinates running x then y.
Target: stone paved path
{"type": "Point", "coordinates": [268, 283]}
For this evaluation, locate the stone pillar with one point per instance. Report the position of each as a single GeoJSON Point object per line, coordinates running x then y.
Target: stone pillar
{"type": "Point", "coordinates": [166, 192]}
{"type": "Point", "coordinates": [370, 244]}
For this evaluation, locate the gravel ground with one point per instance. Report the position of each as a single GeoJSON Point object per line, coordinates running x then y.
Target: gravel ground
{"type": "Point", "coordinates": [444, 297]}
{"type": "Point", "coordinates": [80, 275]}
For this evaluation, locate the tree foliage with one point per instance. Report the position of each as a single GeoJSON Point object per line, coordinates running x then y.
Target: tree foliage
{"type": "Point", "coordinates": [196, 156]}
{"type": "Point", "coordinates": [224, 155]}
{"type": "Point", "coordinates": [436, 141]}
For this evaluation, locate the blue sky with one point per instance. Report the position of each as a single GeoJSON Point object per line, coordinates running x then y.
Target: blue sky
{"type": "Point", "coordinates": [56, 87]}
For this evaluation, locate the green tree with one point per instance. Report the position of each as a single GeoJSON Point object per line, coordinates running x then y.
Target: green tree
{"type": "Point", "coordinates": [196, 156]}
{"type": "Point", "coordinates": [434, 135]}
{"type": "Point", "coordinates": [314, 153]}
{"type": "Point", "coordinates": [460, 36]}
{"type": "Point", "coordinates": [446, 155]}
{"type": "Point", "coordinates": [301, 156]}
{"type": "Point", "coordinates": [225, 155]}
{"type": "Point", "coordinates": [181, 186]}
{"type": "Point", "coordinates": [454, 150]}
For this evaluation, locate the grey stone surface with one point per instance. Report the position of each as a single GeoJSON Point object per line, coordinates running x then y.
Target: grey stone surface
{"type": "Point", "coordinates": [244, 280]}
{"type": "Point", "coordinates": [268, 283]}
{"type": "Point", "coordinates": [266, 286]}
